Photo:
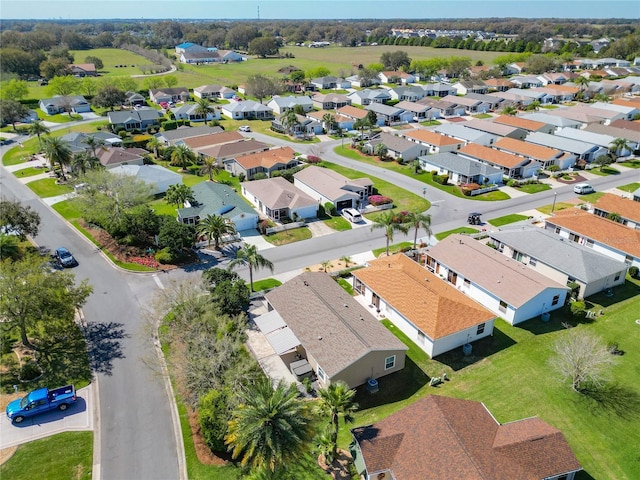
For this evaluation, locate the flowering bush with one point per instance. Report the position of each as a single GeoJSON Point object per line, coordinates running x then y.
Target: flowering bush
{"type": "Point", "coordinates": [401, 217]}
{"type": "Point", "coordinates": [467, 188]}
{"type": "Point", "coordinates": [379, 200]}
{"type": "Point", "coordinates": [146, 261]}
{"type": "Point", "coordinates": [313, 159]}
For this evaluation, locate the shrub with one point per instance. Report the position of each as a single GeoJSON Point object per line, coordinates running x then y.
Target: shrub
{"type": "Point", "coordinates": [553, 168]}
{"type": "Point", "coordinates": [440, 179]}
{"type": "Point", "coordinates": [260, 176]}
{"type": "Point", "coordinates": [213, 416]}
{"type": "Point", "coordinates": [170, 125]}
{"type": "Point", "coordinates": [467, 188]}
{"type": "Point", "coordinates": [313, 159]}
{"type": "Point", "coordinates": [578, 308]}
{"type": "Point", "coordinates": [165, 256]}
{"type": "Point", "coordinates": [330, 209]}
{"type": "Point", "coordinates": [512, 183]}
{"type": "Point", "coordinates": [634, 272]}
{"type": "Point", "coordinates": [379, 200]}
{"type": "Point", "coordinates": [30, 371]}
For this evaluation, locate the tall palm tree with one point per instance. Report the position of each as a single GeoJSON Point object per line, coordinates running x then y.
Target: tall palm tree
{"type": "Point", "coordinates": [619, 145]}
{"type": "Point", "coordinates": [582, 82]}
{"type": "Point", "coordinates": [336, 401]}
{"type": "Point", "coordinates": [249, 256]}
{"type": "Point", "coordinates": [419, 220]}
{"type": "Point", "coordinates": [329, 121]}
{"type": "Point", "coordinates": [182, 155]}
{"type": "Point", "coordinates": [94, 143]}
{"type": "Point", "coordinates": [203, 107]}
{"type": "Point", "coordinates": [388, 222]}
{"type": "Point", "coordinates": [38, 128]}
{"type": "Point", "coordinates": [57, 151]}
{"type": "Point", "coordinates": [178, 194]}
{"type": "Point", "coordinates": [154, 144]}
{"type": "Point", "coordinates": [210, 167]}
{"type": "Point", "coordinates": [271, 428]}
{"type": "Point", "coordinates": [214, 227]}
{"type": "Point", "coordinates": [289, 120]}
{"type": "Point", "coordinates": [83, 161]}
{"type": "Point", "coordinates": [533, 106]}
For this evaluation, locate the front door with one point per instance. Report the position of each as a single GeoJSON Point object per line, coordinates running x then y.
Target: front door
{"type": "Point", "coordinates": [375, 300]}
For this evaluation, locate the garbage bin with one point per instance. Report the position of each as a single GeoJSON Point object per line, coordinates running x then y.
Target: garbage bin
{"type": "Point", "coordinates": [466, 349]}
{"type": "Point", "coordinates": [372, 385]}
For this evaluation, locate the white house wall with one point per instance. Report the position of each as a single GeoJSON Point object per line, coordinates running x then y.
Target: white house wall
{"type": "Point", "coordinates": [245, 221]}
{"type": "Point", "coordinates": [310, 211]}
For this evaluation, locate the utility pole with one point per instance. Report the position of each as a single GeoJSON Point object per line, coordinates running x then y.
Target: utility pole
{"type": "Point", "coordinates": [553, 207]}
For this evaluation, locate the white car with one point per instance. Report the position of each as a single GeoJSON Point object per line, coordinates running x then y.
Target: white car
{"type": "Point", "coordinates": [245, 128]}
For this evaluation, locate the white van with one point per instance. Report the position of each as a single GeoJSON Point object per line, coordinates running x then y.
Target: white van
{"type": "Point", "coordinates": [582, 188]}
{"type": "Point", "coordinates": [352, 215]}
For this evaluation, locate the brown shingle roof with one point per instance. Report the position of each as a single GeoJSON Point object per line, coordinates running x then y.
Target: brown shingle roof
{"type": "Point", "coordinates": [626, 124]}
{"type": "Point", "coordinates": [354, 112]}
{"type": "Point", "coordinates": [432, 138]}
{"type": "Point", "coordinates": [498, 82]}
{"type": "Point", "coordinates": [267, 159]}
{"type": "Point", "coordinates": [599, 229]}
{"type": "Point", "coordinates": [213, 139]}
{"type": "Point", "coordinates": [432, 305]}
{"type": "Point", "coordinates": [333, 327]}
{"type": "Point", "coordinates": [519, 122]}
{"type": "Point", "coordinates": [276, 193]}
{"type": "Point", "coordinates": [118, 155]}
{"type": "Point", "coordinates": [491, 155]}
{"type": "Point", "coordinates": [537, 152]}
{"type": "Point", "coordinates": [506, 278]}
{"type": "Point", "coordinates": [440, 438]}
{"type": "Point", "coordinates": [626, 207]}
{"type": "Point", "coordinates": [230, 150]}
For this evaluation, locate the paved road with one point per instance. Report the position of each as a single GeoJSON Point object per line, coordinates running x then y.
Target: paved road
{"type": "Point", "coordinates": [136, 436]}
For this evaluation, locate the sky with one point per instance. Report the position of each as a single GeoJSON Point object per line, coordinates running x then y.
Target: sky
{"type": "Point", "coordinates": [315, 9]}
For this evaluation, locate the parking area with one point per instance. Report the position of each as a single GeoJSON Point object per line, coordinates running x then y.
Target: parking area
{"type": "Point", "coordinates": [77, 417]}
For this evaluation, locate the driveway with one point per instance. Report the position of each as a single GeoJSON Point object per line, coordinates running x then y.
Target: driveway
{"type": "Point", "coordinates": [78, 417]}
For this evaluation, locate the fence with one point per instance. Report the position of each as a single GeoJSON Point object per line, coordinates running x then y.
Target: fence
{"type": "Point", "coordinates": [484, 190]}
{"type": "Point", "coordinates": [376, 208]}
{"type": "Point", "coordinates": [283, 228]}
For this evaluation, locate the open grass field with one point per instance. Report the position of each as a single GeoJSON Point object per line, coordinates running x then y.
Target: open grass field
{"type": "Point", "coordinates": [507, 219]}
{"type": "Point", "coordinates": [511, 374]}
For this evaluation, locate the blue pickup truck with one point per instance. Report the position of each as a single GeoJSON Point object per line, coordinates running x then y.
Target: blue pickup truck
{"type": "Point", "coordinates": [40, 401]}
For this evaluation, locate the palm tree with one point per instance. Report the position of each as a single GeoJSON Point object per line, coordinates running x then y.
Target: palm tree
{"type": "Point", "coordinates": [178, 194]}
{"type": "Point", "coordinates": [94, 143]}
{"type": "Point", "coordinates": [182, 155]}
{"type": "Point", "coordinates": [347, 260]}
{"type": "Point", "coordinates": [210, 167]}
{"type": "Point", "coordinates": [380, 150]}
{"type": "Point", "coordinates": [214, 227]}
{"type": "Point", "coordinates": [83, 161]}
{"type": "Point", "coordinates": [249, 256]}
{"type": "Point", "coordinates": [336, 401]}
{"type": "Point", "coordinates": [289, 120]}
{"type": "Point", "coordinates": [509, 110]}
{"type": "Point", "coordinates": [38, 128]}
{"type": "Point", "coordinates": [271, 428]}
{"type": "Point", "coordinates": [203, 108]}
{"type": "Point", "coordinates": [57, 151]}
{"type": "Point", "coordinates": [533, 106]}
{"type": "Point", "coordinates": [582, 82]}
{"type": "Point", "coordinates": [329, 121]}
{"type": "Point", "coordinates": [419, 220]}
{"type": "Point", "coordinates": [388, 222]}
{"type": "Point", "coordinates": [326, 265]}
{"type": "Point", "coordinates": [619, 145]}
{"type": "Point", "coordinates": [154, 144]}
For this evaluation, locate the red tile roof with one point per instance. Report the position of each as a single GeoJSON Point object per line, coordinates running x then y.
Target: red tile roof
{"type": "Point", "coordinates": [531, 150]}
{"type": "Point", "coordinates": [267, 159]}
{"type": "Point", "coordinates": [432, 138]}
{"type": "Point", "coordinates": [530, 125]}
{"type": "Point", "coordinates": [625, 207]}
{"type": "Point", "coordinates": [491, 155]}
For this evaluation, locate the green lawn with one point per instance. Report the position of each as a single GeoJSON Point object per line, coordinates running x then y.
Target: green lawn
{"type": "Point", "coordinates": [29, 172]}
{"type": "Point", "coordinates": [507, 219]}
{"type": "Point", "coordinates": [395, 248]}
{"type": "Point", "coordinates": [465, 230]}
{"type": "Point", "coordinates": [68, 209]}
{"type": "Point", "coordinates": [266, 284]}
{"type": "Point", "coordinates": [288, 236]}
{"type": "Point", "coordinates": [64, 456]}
{"type": "Point", "coordinates": [559, 206]}
{"type": "Point", "coordinates": [604, 171]}
{"type": "Point", "coordinates": [47, 187]}
{"type": "Point", "coordinates": [338, 223]}
{"type": "Point", "coordinates": [534, 187]}
{"type": "Point", "coordinates": [631, 163]}
{"type": "Point", "coordinates": [482, 116]}
{"type": "Point", "coordinates": [629, 187]}
{"type": "Point", "coordinates": [510, 373]}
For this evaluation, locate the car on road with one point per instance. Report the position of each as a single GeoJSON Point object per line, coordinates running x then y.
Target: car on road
{"type": "Point", "coordinates": [474, 219]}
{"type": "Point", "coordinates": [582, 188]}
{"type": "Point", "coordinates": [65, 258]}
{"type": "Point", "coordinates": [245, 128]}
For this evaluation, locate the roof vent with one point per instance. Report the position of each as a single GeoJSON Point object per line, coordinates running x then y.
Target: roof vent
{"type": "Point", "coordinates": [346, 306]}
{"type": "Point", "coordinates": [319, 338]}
{"type": "Point", "coordinates": [306, 284]}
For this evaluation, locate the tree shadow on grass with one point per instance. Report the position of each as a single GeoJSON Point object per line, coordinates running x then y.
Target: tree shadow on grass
{"type": "Point", "coordinates": [558, 320]}
{"type": "Point", "coordinates": [103, 345]}
{"type": "Point", "coordinates": [481, 349]}
{"type": "Point", "coordinates": [617, 294]}
{"type": "Point", "coordinates": [613, 399]}
{"type": "Point", "coordinates": [63, 359]}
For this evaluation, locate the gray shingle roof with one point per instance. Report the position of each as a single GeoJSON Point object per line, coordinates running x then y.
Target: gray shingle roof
{"type": "Point", "coordinates": [574, 260]}
{"type": "Point", "coordinates": [561, 143]}
{"type": "Point", "coordinates": [187, 132]}
{"type": "Point", "coordinates": [461, 165]}
{"type": "Point", "coordinates": [334, 328]}
{"type": "Point", "coordinates": [211, 197]}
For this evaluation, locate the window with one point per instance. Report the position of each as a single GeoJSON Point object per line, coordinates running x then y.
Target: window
{"type": "Point", "coordinates": [390, 362]}
{"type": "Point", "coordinates": [588, 243]}
{"type": "Point", "coordinates": [557, 230]}
{"type": "Point", "coordinates": [533, 262]}
{"type": "Point", "coordinates": [422, 337]}
{"type": "Point", "coordinates": [321, 375]}
{"type": "Point", "coordinates": [574, 238]}
{"type": "Point", "coordinates": [503, 306]}
{"type": "Point", "coordinates": [467, 283]}
{"type": "Point", "coordinates": [556, 299]}
{"type": "Point", "coordinates": [617, 277]}
{"type": "Point", "coordinates": [628, 259]}
{"type": "Point", "coordinates": [480, 329]}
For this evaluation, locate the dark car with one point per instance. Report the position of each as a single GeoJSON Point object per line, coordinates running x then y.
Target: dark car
{"type": "Point", "coordinates": [474, 219]}
{"type": "Point", "coordinates": [65, 258]}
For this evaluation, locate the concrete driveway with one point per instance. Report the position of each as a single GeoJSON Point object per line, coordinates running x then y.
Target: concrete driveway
{"type": "Point", "coordinates": [78, 417]}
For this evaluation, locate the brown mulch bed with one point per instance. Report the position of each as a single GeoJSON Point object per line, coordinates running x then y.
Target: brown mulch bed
{"type": "Point", "coordinates": [203, 452]}
{"type": "Point", "coordinates": [339, 468]}
{"type": "Point", "coordinates": [576, 179]}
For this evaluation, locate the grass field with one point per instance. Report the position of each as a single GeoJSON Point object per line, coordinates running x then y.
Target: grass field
{"type": "Point", "coordinates": [466, 230]}
{"type": "Point", "coordinates": [507, 219]}
{"type": "Point", "coordinates": [630, 187]}
{"type": "Point", "coordinates": [47, 187]}
{"type": "Point", "coordinates": [534, 187]}
{"type": "Point", "coordinates": [60, 457]}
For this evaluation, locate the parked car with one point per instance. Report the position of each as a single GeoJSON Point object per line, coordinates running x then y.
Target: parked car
{"type": "Point", "coordinates": [582, 188]}
{"type": "Point", "coordinates": [352, 215]}
{"type": "Point", "coordinates": [245, 128]}
{"type": "Point", "coordinates": [40, 401]}
{"type": "Point", "coordinates": [65, 258]}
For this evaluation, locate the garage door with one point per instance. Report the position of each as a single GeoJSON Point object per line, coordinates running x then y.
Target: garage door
{"type": "Point", "coordinates": [344, 204]}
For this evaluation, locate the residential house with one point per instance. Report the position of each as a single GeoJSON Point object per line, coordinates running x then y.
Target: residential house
{"type": "Point", "coordinates": [442, 319]}
{"type": "Point", "coordinates": [493, 102]}
{"type": "Point", "coordinates": [498, 84]}
{"type": "Point", "coordinates": [130, 120]}
{"type": "Point", "coordinates": [599, 139]}
{"type": "Point", "coordinates": [77, 141]}
{"type": "Point", "coordinates": [524, 124]}
{"type": "Point", "coordinates": [158, 177]}
{"type": "Point", "coordinates": [214, 92]}
{"type": "Point", "coordinates": [515, 68]}
{"type": "Point", "coordinates": [304, 126]}
{"type": "Point", "coordinates": [190, 112]}
{"type": "Point", "coordinates": [531, 95]}
{"type": "Point", "coordinates": [587, 114]}
{"type": "Point", "coordinates": [329, 82]}
{"type": "Point", "coordinates": [439, 438]}
{"type": "Point", "coordinates": [398, 148]}
{"type": "Point", "coordinates": [279, 199]}
{"type": "Point", "coordinates": [368, 96]}
{"type": "Point", "coordinates": [227, 151]}
{"type": "Point", "coordinates": [328, 186]}
{"type": "Point", "coordinates": [476, 71]}
{"type": "Point", "coordinates": [587, 152]}
{"type": "Point", "coordinates": [199, 142]}
{"type": "Point", "coordinates": [281, 105]}
{"type": "Point", "coordinates": [442, 108]}
{"type": "Point", "coordinates": [189, 47]}
{"type": "Point", "coordinates": [396, 77]}
{"type": "Point", "coordinates": [169, 95]}
{"type": "Point", "coordinates": [419, 111]}
{"type": "Point", "coordinates": [439, 89]}
{"type": "Point", "coordinates": [314, 317]}
{"type": "Point", "coordinates": [134, 99]}
{"type": "Point", "coordinates": [545, 156]}
{"type": "Point", "coordinates": [111, 157]}
{"type": "Point", "coordinates": [632, 136]}
{"type": "Point", "coordinates": [266, 162]}
{"type": "Point", "coordinates": [498, 129]}
{"type": "Point", "coordinates": [506, 287]}
{"type": "Point", "coordinates": [432, 141]}
{"type": "Point", "coordinates": [556, 78]}
{"type": "Point", "coordinates": [83, 69]}
{"type": "Point", "coordinates": [470, 105]}
{"type": "Point", "coordinates": [553, 121]}
{"type": "Point", "coordinates": [463, 87]}
{"type": "Point", "coordinates": [510, 99]}
{"type": "Point", "coordinates": [388, 115]}
{"type": "Point", "coordinates": [246, 110]}
{"type": "Point", "coordinates": [170, 137]}
{"type": "Point", "coordinates": [468, 135]}
{"type": "Point", "coordinates": [610, 238]}
{"type": "Point", "coordinates": [636, 195]}
{"type": "Point", "coordinates": [341, 121]}
{"type": "Point", "coordinates": [513, 166]}
{"type": "Point", "coordinates": [357, 81]}
{"type": "Point", "coordinates": [212, 198]}
{"type": "Point", "coordinates": [627, 211]}
{"type": "Point", "coordinates": [461, 169]}
{"type": "Point", "coordinates": [526, 81]}
{"type": "Point", "coordinates": [626, 124]}
{"type": "Point", "coordinates": [629, 111]}
{"type": "Point", "coordinates": [563, 261]}
{"type": "Point", "coordinates": [354, 113]}
{"type": "Point", "coordinates": [407, 93]}
{"type": "Point", "coordinates": [330, 101]}
{"type": "Point", "coordinates": [64, 104]}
